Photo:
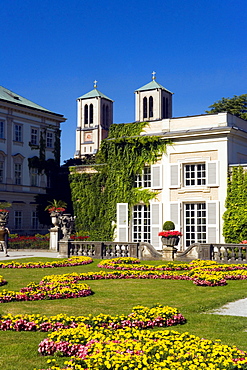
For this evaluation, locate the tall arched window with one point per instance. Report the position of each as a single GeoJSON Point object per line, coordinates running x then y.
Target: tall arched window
{"type": "Point", "coordinates": [167, 113]}
{"type": "Point", "coordinates": [104, 115]}
{"type": "Point", "coordinates": [145, 107]}
{"type": "Point", "coordinates": [107, 115]}
{"type": "Point", "coordinates": [164, 107]}
{"type": "Point", "coordinates": [151, 106]}
{"type": "Point", "coordinates": [91, 114]}
{"type": "Point", "coordinates": [86, 115]}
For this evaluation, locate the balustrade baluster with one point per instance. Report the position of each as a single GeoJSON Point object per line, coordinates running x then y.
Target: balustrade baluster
{"type": "Point", "coordinates": [240, 254]}
{"type": "Point", "coordinates": [233, 254]}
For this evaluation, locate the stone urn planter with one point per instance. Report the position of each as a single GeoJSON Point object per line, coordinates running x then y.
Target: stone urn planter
{"type": "Point", "coordinates": [55, 218]}
{"type": "Point", "coordinates": [170, 240]}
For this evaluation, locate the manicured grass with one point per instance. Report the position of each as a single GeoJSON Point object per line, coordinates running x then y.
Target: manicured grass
{"type": "Point", "coordinates": [19, 350]}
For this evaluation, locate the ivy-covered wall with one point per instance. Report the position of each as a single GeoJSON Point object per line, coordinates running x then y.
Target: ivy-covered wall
{"type": "Point", "coordinates": [121, 156]}
{"type": "Point", "coordinates": [235, 216]}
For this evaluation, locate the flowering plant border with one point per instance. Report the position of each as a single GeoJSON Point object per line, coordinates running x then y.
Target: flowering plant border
{"type": "Point", "coordinates": [169, 233]}
{"type": "Point", "coordinates": [72, 261]}
{"type": "Point", "coordinates": [141, 317]}
{"type": "Point", "coordinates": [56, 209]}
{"type": "Point", "coordinates": [124, 349]}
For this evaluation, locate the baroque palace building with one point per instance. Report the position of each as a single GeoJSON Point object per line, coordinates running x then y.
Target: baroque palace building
{"type": "Point", "coordinates": [29, 140]}
{"type": "Point", "coordinates": [191, 177]}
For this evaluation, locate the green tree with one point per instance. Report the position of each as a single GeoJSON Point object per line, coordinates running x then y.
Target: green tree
{"type": "Point", "coordinates": [236, 105]}
{"type": "Point", "coordinates": [235, 216]}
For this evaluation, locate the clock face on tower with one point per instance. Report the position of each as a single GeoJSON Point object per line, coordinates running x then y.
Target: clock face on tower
{"type": "Point", "coordinates": [88, 136]}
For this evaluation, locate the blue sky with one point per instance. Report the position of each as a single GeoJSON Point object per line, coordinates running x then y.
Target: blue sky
{"type": "Point", "coordinates": [52, 51]}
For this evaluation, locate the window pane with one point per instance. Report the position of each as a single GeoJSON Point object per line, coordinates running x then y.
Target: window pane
{"type": "Point", "coordinates": [17, 173]}
{"type": "Point", "coordinates": [1, 130]}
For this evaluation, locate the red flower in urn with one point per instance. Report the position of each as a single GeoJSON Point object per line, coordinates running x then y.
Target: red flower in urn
{"type": "Point", "coordinates": [168, 233]}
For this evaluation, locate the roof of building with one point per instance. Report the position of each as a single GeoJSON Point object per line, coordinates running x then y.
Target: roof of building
{"type": "Point", "coordinates": [153, 85]}
{"type": "Point", "coordinates": [11, 97]}
{"type": "Point", "coordinates": [94, 94]}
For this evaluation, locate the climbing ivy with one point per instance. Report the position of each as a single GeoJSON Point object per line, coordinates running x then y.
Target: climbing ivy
{"type": "Point", "coordinates": [40, 162]}
{"type": "Point", "coordinates": [121, 157]}
{"type": "Point", "coordinates": [235, 216]}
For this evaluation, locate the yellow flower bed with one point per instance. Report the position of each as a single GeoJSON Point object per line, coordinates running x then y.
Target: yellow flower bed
{"type": "Point", "coordinates": [72, 261]}
{"type": "Point", "coordinates": [128, 348]}
{"type": "Point", "coordinates": [142, 317]}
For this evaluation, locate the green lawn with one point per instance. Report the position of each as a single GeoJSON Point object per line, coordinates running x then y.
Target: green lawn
{"type": "Point", "coordinates": [19, 350]}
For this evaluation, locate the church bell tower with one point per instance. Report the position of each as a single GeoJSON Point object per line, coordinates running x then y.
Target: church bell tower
{"type": "Point", "coordinates": [94, 117]}
{"type": "Point", "coordinates": [153, 102]}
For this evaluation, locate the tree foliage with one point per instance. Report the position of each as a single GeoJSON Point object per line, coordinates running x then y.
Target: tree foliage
{"type": "Point", "coordinates": [95, 195]}
{"type": "Point", "coordinates": [236, 105]}
{"type": "Point", "coordinates": [235, 216]}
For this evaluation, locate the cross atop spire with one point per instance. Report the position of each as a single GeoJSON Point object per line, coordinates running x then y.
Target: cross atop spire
{"type": "Point", "coordinates": [95, 84]}
{"type": "Point", "coordinates": [153, 75]}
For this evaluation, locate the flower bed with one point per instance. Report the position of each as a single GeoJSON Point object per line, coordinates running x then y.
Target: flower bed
{"type": "Point", "coordinates": [125, 264]}
{"type": "Point", "coordinates": [37, 241]}
{"type": "Point", "coordinates": [55, 289]}
{"type": "Point", "coordinates": [73, 261]}
{"type": "Point", "coordinates": [68, 285]}
{"type": "Point", "coordinates": [131, 348]}
{"type": "Point", "coordinates": [2, 281]}
{"type": "Point", "coordinates": [141, 317]}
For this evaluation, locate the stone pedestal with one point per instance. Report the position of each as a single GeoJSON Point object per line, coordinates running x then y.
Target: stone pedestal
{"type": "Point", "coordinates": [168, 253]}
{"type": "Point", "coordinates": [54, 238]}
{"type": "Point", "coordinates": [64, 251]}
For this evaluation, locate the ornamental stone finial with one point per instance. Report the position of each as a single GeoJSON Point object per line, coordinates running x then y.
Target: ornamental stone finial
{"type": "Point", "coordinates": [95, 84]}
{"type": "Point", "coordinates": [153, 75]}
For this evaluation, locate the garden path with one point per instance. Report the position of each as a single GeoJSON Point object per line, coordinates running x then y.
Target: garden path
{"type": "Point", "coordinates": [27, 253]}
{"type": "Point", "coordinates": [237, 308]}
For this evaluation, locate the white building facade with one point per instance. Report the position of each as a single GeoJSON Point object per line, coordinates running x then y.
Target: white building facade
{"type": "Point", "coordinates": [191, 177]}
{"type": "Point", "coordinates": [24, 128]}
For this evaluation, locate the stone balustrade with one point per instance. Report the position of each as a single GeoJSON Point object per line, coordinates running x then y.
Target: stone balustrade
{"type": "Point", "coordinates": [100, 250]}
{"type": "Point", "coordinates": [224, 252]}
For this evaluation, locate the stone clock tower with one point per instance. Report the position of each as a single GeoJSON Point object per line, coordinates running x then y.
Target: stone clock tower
{"type": "Point", "coordinates": [94, 117]}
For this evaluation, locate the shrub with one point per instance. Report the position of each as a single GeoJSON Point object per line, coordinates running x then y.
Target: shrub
{"type": "Point", "coordinates": [169, 225]}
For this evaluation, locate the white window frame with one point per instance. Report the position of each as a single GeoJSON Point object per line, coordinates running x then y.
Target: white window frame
{"type": "Point", "coordinates": [34, 177]}
{"type": "Point", "coordinates": [49, 139]}
{"type": "Point", "coordinates": [143, 228]}
{"type": "Point", "coordinates": [18, 219]}
{"type": "Point", "coordinates": [140, 179]}
{"type": "Point", "coordinates": [34, 220]}
{"type": "Point", "coordinates": [18, 133]}
{"type": "Point", "coordinates": [34, 139]}
{"type": "Point", "coordinates": [196, 232]}
{"type": "Point", "coordinates": [196, 178]}
{"type": "Point", "coordinates": [18, 173]}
